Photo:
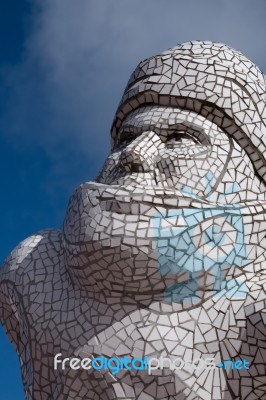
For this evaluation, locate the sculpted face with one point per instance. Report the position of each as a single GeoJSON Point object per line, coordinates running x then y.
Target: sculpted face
{"type": "Point", "coordinates": [180, 144]}
{"type": "Point", "coordinates": [166, 147]}
{"type": "Point", "coordinates": [172, 148]}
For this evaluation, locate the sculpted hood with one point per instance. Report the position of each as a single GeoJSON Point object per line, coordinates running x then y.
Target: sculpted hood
{"type": "Point", "coordinates": [211, 79]}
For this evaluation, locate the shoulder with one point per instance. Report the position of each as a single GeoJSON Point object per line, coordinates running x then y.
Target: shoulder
{"type": "Point", "coordinates": [24, 268]}
{"type": "Point", "coordinates": [31, 253]}
{"type": "Point", "coordinates": [32, 260]}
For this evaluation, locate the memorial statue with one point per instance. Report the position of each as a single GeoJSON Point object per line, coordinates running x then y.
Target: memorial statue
{"type": "Point", "coordinates": [156, 286]}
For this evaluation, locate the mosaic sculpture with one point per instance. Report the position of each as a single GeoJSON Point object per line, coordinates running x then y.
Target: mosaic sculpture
{"type": "Point", "coordinates": [156, 286]}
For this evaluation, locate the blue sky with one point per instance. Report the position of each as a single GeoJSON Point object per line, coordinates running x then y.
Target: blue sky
{"type": "Point", "coordinates": [63, 67]}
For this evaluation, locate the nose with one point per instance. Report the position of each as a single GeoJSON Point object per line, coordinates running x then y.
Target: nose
{"type": "Point", "coordinates": [140, 155]}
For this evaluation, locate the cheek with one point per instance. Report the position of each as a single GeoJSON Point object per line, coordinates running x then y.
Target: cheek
{"type": "Point", "coordinates": [194, 169]}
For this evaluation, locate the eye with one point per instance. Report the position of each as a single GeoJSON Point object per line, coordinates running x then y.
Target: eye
{"type": "Point", "coordinates": [180, 137]}
{"type": "Point", "coordinates": [125, 138]}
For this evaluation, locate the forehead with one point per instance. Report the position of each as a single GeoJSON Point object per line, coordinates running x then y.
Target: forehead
{"type": "Point", "coordinates": [158, 116]}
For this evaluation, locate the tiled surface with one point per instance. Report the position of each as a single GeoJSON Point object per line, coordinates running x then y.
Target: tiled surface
{"type": "Point", "coordinates": [164, 253]}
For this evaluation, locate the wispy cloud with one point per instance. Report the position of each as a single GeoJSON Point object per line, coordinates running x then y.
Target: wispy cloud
{"type": "Point", "coordinates": [80, 54]}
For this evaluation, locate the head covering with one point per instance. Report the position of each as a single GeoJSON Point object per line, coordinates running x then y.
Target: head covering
{"type": "Point", "coordinates": [211, 79]}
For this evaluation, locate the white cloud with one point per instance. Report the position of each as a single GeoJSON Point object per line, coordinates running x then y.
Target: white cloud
{"type": "Point", "coordinates": [80, 54]}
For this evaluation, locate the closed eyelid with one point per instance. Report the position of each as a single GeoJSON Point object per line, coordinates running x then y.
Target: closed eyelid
{"type": "Point", "coordinates": [168, 132]}
{"type": "Point", "coordinates": [128, 132]}
{"type": "Point", "coordinates": [164, 129]}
